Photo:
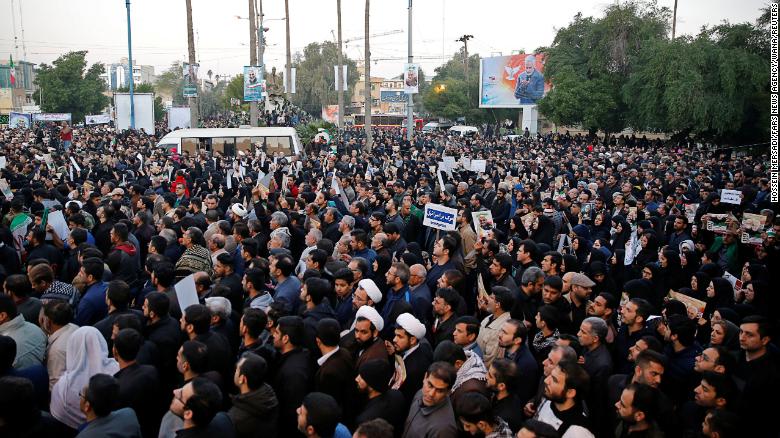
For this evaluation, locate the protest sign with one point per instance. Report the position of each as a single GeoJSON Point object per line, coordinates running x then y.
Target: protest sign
{"type": "Point", "coordinates": [57, 221]}
{"type": "Point", "coordinates": [441, 180]}
{"type": "Point", "coordinates": [449, 162]}
{"type": "Point", "coordinates": [186, 292]}
{"type": "Point", "coordinates": [694, 306]}
{"type": "Point", "coordinates": [6, 190]}
{"type": "Point", "coordinates": [483, 222]}
{"type": "Point", "coordinates": [731, 197]}
{"type": "Point", "coordinates": [440, 217]}
{"type": "Point", "coordinates": [752, 228]}
{"type": "Point", "coordinates": [478, 165]}
{"type": "Point", "coordinates": [690, 211]}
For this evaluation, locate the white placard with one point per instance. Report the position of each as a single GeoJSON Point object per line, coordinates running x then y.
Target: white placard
{"type": "Point", "coordinates": [6, 190]}
{"type": "Point", "coordinates": [440, 217]}
{"type": "Point", "coordinates": [731, 197]}
{"type": "Point", "coordinates": [75, 164]}
{"type": "Point", "coordinates": [2, 162]}
{"type": "Point", "coordinates": [230, 178]}
{"type": "Point", "coordinates": [441, 180]}
{"type": "Point", "coordinates": [186, 292]}
{"type": "Point", "coordinates": [57, 221]}
{"type": "Point", "coordinates": [478, 165]}
{"type": "Point", "coordinates": [449, 161]}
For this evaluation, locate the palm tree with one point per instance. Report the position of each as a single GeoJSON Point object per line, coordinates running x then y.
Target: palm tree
{"type": "Point", "coordinates": [193, 102]}
{"type": "Point", "coordinates": [367, 83]}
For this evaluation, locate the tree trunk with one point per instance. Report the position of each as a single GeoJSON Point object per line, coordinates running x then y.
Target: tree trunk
{"type": "Point", "coordinates": [367, 83]}
{"type": "Point", "coordinates": [289, 58]}
{"type": "Point", "coordinates": [339, 86]}
{"type": "Point", "coordinates": [193, 101]}
{"type": "Point", "coordinates": [252, 58]}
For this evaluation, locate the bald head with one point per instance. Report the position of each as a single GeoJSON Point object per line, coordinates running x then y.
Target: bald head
{"type": "Point", "coordinates": [417, 274]}
{"type": "Point", "coordinates": [567, 281]}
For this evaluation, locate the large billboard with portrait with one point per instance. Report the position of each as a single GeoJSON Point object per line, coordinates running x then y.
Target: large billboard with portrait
{"type": "Point", "coordinates": [511, 81]}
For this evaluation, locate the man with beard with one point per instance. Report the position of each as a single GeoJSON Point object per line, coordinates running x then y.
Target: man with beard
{"type": "Point", "coordinates": [410, 343]}
{"type": "Point", "coordinates": [502, 378]}
{"type": "Point", "coordinates": [381, 401]}
{"type": "Point", "coordinates": [637, 411]}
{"type": "Point", "coordinates": [368, 344]}
{"type": "Point", "coordinates": [562, 406]}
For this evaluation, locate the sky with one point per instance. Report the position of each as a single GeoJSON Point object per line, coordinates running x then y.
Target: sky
{"type": "Point", "coordinates": [159, 28]}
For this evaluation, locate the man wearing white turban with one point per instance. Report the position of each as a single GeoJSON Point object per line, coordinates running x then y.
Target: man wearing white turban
{"type": "Point", "coordinates": [410, 343]}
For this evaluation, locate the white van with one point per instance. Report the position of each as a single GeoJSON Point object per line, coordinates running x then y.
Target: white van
{"type": "Point", "coordinates": [463, 130]}
{"type": "Point", "coordinates": [229, 141]}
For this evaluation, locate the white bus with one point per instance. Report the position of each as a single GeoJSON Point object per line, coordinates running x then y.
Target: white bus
{"type": "Point", "coordinates": [230, 141]}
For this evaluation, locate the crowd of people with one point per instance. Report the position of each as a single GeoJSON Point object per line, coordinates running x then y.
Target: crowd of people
{"type": "Point", "coordinates": [591, 288]}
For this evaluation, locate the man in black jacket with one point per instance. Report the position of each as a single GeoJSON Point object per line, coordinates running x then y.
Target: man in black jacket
{"type": "Point", "coordinates": [336, 373]}
{"type": "Point", "coordinates": [385, 403]}
{"type": "Point", "coordinates": [293, 376]}
{"type": "Point", "coordinates": [139, 385]}
{"type": "Point", "coordinates": [164, 332]}
{"type": "Point", "coordinates": [196, 324]}
{"type": "Point", "coordinates": [255, 409]}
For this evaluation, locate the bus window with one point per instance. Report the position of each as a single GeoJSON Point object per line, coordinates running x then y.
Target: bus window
{"type": "Point", "coordinates": [189, 145]}
{"type": "Point", "coordinates": [244, 144]}
{"type": "Point", "coordinates": [278, 144]}
{"type": "Point", "coordinates": [224, 145]}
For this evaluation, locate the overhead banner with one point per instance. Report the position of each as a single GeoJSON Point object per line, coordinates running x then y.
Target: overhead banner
{"type": "Point", "coordinates": [392, 95]}
{"type": "Point", "coordinates": [292, 81]}
{"type": "Point", "coordinates": [254, 88]}
{"type": "Point", "coordinates": [511, 81]}
{"type": "Point", "coordinates": [190, 74]}
{"type": "Point", "coordinates": [411, 78]}
{"type": "Point", "coordinates": [52, 117]}
{"type": "Point", "coordinates": [343, 77]}
{"type": "Point", "coordinates": [97, 119]}
{"type": "Point", "coordinates": [20, 120]}
{"type": "Point", "coordinates": [440, 217]}
{"type": "Point", "coordinates": [330, 113]}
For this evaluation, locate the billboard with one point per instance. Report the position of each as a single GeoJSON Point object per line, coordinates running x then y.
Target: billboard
{"type": "Point", "coordinates": [144, 111]}
{"type": "Point", "coordinates": [392, 95]}
{"type": "Point", "coordinates": [511, 81]}
{"type": "Point", "coordinates": [20, 120]}
{"type": "Point", "coordinates": [97, 119]}
{"type": "Point", "coordinates": [330, 113]}
{"type": "Point", "coordinates": [179, 117]}
{"type": "Point", "coordinates": [411, 78]}
{"type": "Point", "coordinates": [52, 117]}
{"type": "Point", "coordinates": [254, 88]}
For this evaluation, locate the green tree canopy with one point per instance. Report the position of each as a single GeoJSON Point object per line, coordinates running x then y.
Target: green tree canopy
{"type": "Point", "coordinates": [69, 87]}
{"type": "Point", "coordinates": [314, 82]}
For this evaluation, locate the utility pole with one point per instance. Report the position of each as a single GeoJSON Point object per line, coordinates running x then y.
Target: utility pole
{"type": "Point", "coordinates": [252, 58]}
{"type": "Point", "coordinates": [192, 101]}
{"type": "Point", "coordinates": [409, 97]}
{"type": "Point", "coordinates": [261, 46]}
{"type": "Point", "coordinates": [288, 67]}
{"type": "Point", "coordinates": [339, 81]}
{"type": "Point", "coordinates": [465, 40]}
{"type": "Point", "coordinates": [130, 61]}
{"type": "Point", "coordinates": [367, 82]}
{"type": "Point", "coordinates": [674, 20]}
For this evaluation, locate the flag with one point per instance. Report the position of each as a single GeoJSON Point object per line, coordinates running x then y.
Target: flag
{"type": "Point", "coordinates": [13, 72]}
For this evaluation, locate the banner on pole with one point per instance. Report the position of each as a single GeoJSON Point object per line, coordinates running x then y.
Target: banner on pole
{"type": "Point", "coordinates": [254, 88]}
{"type": "Point", "coordinates": [411, 79]}
{"type": "Point", "coordinates": [20, 120]}
{"type": "Point", "coordinates": [440, 217]}
{"type": "Point", "coordinates": [343, 77]}
{"type": "Point", "coordinates": [97, 119]}
{"type": "Point", "coordinates": [190, 74]}
{"type": "Point", "coordinates": [292, 81]}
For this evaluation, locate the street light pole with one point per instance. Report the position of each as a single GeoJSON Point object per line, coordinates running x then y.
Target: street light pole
{"type": "Point", "coordinates": [339, 80]}
{"type": "Point", "coordinates": [288, 67]}
{"type": "Point", "coordinates": [252, 58]}
{"type": "Point", "coordinates": [130, 61]}
{"type": "Point", "coordinates": [409, 98]}
{"type": "Point", "coordinates": [261, 42]}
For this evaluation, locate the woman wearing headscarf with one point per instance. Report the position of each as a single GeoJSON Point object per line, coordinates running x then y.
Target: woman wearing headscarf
{"type": "Point", "coordinates": [699, 283]}
{"type": "Point", "coordinates": [725, 334]}
{"type": "Point", "coordinates": [671, 271]}
{"type": "Point", "coordinates": [617, 268]}
{"type": "Point", "coordinates": [649, 251]}
{"type": "Point", "coordinates": [604, 282]}
{"type": "Point", "coordinates": [542, 230]}
{"type": "Point", "coordinates": [601, 227]}
{"type": "Point", "coordinates": [86, 355]}
{"type": "Point", "coordinates": [652, 273]}
{"type": "Point", "coordinates": [622, 232]}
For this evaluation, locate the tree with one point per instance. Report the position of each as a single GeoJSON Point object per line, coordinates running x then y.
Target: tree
{"type": "Point", "coordinates": [159, 110]}
{"type": "Point", "coordinates": [69, 87]}
{"type": "Point", "coordinates": [234, 90]}
{"type": "Point", "coordinates": [315, 82]}
{"type": "Point", "coordinates": [591, 60]}
{"type": "Point", "coordinates": [171, 82]}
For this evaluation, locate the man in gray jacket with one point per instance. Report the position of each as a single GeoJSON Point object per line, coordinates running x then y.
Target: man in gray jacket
{"type": "Point", "coordinates": [431, 414]}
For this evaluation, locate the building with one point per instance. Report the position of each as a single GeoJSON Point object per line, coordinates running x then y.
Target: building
{"type": "Point", "coordinates": [358, 97]}
{"type": "Point", "coordinates": [116, 75]}
{"type": "Point", "coordinates": [21, 94]}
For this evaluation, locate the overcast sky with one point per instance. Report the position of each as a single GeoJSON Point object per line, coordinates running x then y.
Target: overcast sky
{"type": "Point", "coordinates": [53, 27]}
